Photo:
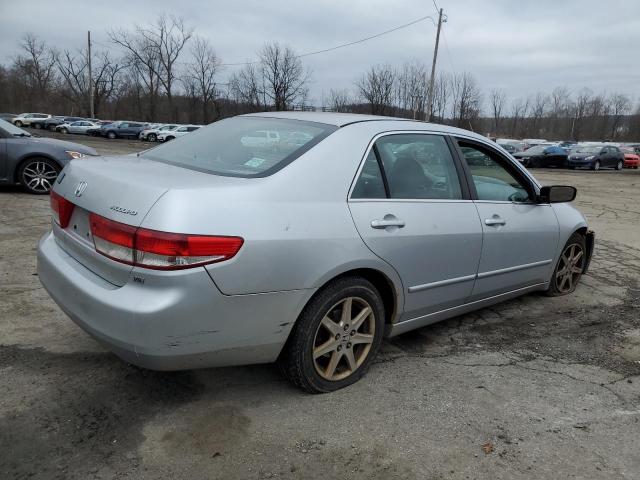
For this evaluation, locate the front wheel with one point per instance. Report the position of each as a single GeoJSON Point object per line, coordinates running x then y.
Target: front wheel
{"type": "Point", "coordinates": [152, 137]}
{"type": "Point", "coordinates": [570, 267]}
{"type": "Point", "coordinates": [64, 130]}
{"type": "Point", "coordinates": [111, 135]}
{"type": "Point", "coordinates": [619, 165]}
{"type": "Point", "coordinates": [596, 165]}
{"type": "Point", "coordinates": [18, 123]}
{"type": "Point", "coordinates": [37, 175]}
{"type": "Point", "coordinates": [336, 337]}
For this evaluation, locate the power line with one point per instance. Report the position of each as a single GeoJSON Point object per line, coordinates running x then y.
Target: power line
{"type": "Point", "coordinates": [324, 50]}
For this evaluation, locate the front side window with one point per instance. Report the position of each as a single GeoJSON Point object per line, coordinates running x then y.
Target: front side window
{"type": "Point", "coordinates": [234, 146]}
{"type": "Point", "coordinates": [492, 177]}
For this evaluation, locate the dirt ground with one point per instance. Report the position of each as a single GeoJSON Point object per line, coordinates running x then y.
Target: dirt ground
{"type": "Point", "coordinates": [536, 387]}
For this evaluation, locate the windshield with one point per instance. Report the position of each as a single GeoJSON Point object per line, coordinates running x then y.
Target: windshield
{"type": "Point", "coordinates": [242, 146]}
{"type": "Point", "coordinates": [586, 149]}
{"type": "Point", "coordinates": [11, 129]}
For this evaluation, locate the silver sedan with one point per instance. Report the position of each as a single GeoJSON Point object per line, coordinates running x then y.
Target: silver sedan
{"type": "Point", "coordinates": [79, 127]}
{"type": "Point", "coordinates": [214, 250]}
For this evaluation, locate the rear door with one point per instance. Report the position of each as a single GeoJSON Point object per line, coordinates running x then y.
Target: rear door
{"type": "Point", "coordinates": [520, 237]}
{"type": "Point", "coordinates": [412, 210]}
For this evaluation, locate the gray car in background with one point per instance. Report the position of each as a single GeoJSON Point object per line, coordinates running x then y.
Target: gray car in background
{"type": "Point", "coordinates": [34, 162]}
{"type": "Point", "coordinates": [213, 250]}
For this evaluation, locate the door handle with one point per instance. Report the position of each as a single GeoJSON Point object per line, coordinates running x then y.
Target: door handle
{"type": "Point", "coordinates": [392, 222]}
{"type": "Point", "coordinates": [494, 221]}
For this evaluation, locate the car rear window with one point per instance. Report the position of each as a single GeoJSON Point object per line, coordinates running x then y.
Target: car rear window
{"type": "Point", "coordinates": [238, 147]}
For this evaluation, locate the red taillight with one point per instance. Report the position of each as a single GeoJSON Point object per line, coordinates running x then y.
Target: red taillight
{"type": "Point", "coordinates": [61, 208]}
{"type": "Point", "coordinates": [159, 250]}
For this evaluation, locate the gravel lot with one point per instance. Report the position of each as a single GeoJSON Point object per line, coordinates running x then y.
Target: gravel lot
{"type": "Point", "coordinates": [549, 386]}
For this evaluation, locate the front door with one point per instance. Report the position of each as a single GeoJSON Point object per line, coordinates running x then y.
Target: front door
{"type": "Point", "coordinates": [411, 210]}
{"type": "Point", "coordinates": [520, 237]}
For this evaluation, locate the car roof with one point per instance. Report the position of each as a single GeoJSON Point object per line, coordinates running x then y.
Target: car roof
{"type": "Point", "coordinates": [344, 119]}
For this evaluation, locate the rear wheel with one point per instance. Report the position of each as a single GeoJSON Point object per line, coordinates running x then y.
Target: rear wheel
{"type": "Point", "coordinates": [37, 126]}
{"type": "Point", "coordinates": [570, 266]}
{"type": "Point", "coordinates": [336, 337]}
{"type": "Point", "coordinates": [37, 175]}
{"type": "Point", "coordinates": [111, 135]}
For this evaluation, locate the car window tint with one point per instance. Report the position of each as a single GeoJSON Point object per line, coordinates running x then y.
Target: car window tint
{"type": "Point", "coordinates": [370, 183]}
{"type": "Point", "coordinates": [419, 166]}
{"type": "Point", "coordinates": [492, 180]}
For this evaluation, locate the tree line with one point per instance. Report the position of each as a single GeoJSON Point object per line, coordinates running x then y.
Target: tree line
{"type": "Point", "coordinates": [164, 71]}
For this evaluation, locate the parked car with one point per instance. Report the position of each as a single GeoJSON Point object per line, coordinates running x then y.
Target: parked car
{"type": "Point", "coordinates": [34, 162]}
{"type": "Point", "coordinates": [25, 119]}
{"type": "Point", "coordinates": [122, 130]}
{"type": "Point", "coordinates": [567, 145]}
{"type": "Point", "coordinates": [543, 156]}
{"type": "Point", "coordinates": [151, 134]}
{"type": "Point", "coordinates": [165, 136]}
{"type": "Point", "coordinates": [509, 147]}
{"type": "Point", "coordinates": [53, 122]}
{"type": "Point", "coordinates": [206, 252]}
{"type": "Point", "coordinates": [80, 127]}
{"type": "Point", "coordinates": [631, 157]}
{"type": "Point", "coordinates": [260, 138]}
{"type": "Point", "coordinates": [595, 157]}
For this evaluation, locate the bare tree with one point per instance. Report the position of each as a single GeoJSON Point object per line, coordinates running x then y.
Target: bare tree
{"type": "Point", "coordinates": [519, 111]}
{"type": "Point", "coordinates": [467, 100]}
{"type": "Point", "coordinates": [498, 99]}
{"type": "Point", "coordinates": [203, 72]}
{"type": "Point", "coordinates": [340, 100]}
{"type": "Point", "coordinates": [376, 88]}
{"type": "Point", "coordinates": [441, 95]}
{"type": "Point", "coordinates": [579, 111]}
{"type": "Point", "coordinates": [246, 87]}
{"type": "Point", "coordinates": [285, 78]}
{"type": "Point", "coordinates": [411, 86]}
{"type": "Point", "coordinates": [154, 51]}
{"type": "Point", "coordinates": [538, 109]}
{"type": "Point", "coordinates": [37, 65]}
{"type": "Point", "coordinates": [620, 105]}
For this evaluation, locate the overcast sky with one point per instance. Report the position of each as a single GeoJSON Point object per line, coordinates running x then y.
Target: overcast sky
{"type": "Point", "coordinates": [521, 46]}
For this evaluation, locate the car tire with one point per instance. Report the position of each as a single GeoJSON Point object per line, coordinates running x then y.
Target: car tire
{"type": "Point", "coordinates": [112, 135]}
{"type": "Point", "coordinates": [619, 165]}
{"type": "Point", "coordinates": [569, 270]}
{"type": "Point", "coordinates": [18, 123]}
{"type": "Point", "coordinates": [38, 174]}
{"type": "Point", "coordinates": [37, 126]}
{"type": "Point", "coordinates": [324, 326]}
{"type": "Point", "coordinates": [64, 130]}
{"type": "Point", "coordinates": [596, 165]}
{"type": "Point", "coordinates": [152, 137]}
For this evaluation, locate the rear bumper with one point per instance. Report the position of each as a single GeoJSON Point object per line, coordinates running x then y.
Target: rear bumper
{"type": "Point", "coordinates": [173, 320]}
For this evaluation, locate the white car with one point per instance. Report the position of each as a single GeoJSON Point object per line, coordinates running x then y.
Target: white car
{"type": "Point", "coordinates": [80, 127]}
{"type": "Point", "coordinates": [151, 134]}
{"type": "Point", "coordinates": [260, 138]}
{"type": "Point", "coordinates": [25, 119]}
{"type": "Point", "coordinates": [178, 132]}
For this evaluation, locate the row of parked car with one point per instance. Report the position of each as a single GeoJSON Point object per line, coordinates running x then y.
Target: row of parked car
{"type": "Point", "coordinates": [151, 132]}
{"type": "Point", "coordinates": [593, 155]}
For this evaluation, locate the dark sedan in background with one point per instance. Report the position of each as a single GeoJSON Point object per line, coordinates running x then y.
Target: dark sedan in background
{"type": "Point", "coordinates": [543, 156]}
{"type": "Point", "coordinates": [596, 157]}
{"type": "Point", "coordinates": [119, 130]}
{"type": "Point", "coordinates": [34, 162]}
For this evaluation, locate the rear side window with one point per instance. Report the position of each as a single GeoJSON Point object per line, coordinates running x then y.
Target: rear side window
{"type": "Point", "coordinates": [370, 183]}
{"type": "Point", "coordinates": [239, 146]}
{"type": "Point", "coordinates": [416, 166]}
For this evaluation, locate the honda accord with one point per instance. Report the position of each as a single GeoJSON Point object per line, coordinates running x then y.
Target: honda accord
{"type": "Point", "coordinates": [213, 250]}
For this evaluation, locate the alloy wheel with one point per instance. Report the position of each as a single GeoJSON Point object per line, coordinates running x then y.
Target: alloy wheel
{"type": "Point", "coordinates": [343, 339]}
{"type": "Point", "coordinates": [39, 176]}
{"type": "Point", "coordinates": [619, 166]}
{"type": "Point", "coordinates": [596, 166]}
{"type": "Point", "coordinates": [570, 268]}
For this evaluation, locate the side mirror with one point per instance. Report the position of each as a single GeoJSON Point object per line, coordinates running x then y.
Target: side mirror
{"type": "Point", "coordinates": [557, 194]}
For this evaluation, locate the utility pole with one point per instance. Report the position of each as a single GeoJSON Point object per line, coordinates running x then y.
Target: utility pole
{"type": "Point", "coordinates": [433, 70]}
{"type": "Point", "coordinates": [91, 112]}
